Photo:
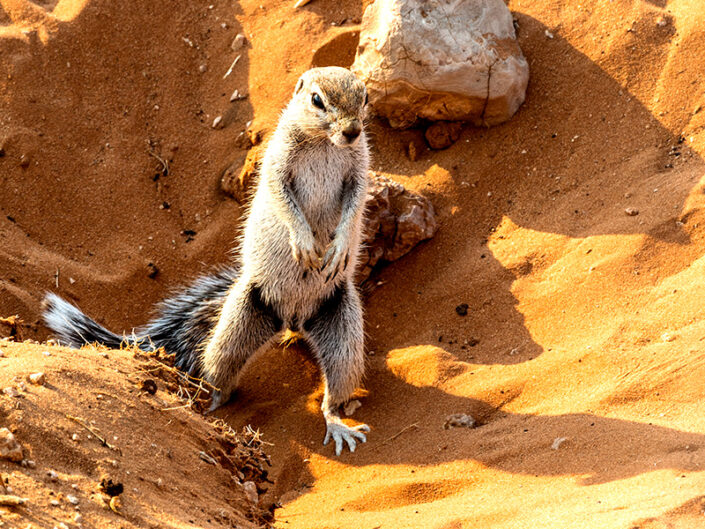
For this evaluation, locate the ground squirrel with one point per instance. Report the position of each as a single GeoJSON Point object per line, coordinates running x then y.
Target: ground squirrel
{"type": "Point", "coordinates": [295, 263]}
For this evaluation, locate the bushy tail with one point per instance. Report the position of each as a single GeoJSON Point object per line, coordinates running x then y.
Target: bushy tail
{"type": "Point", "coordinates": [74, 328]}
{"type": "Point", "coordinates": [181, 325]}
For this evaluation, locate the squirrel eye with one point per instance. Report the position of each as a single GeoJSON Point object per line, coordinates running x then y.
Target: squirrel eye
{"type": "Point", "coordinates": [317, 101]}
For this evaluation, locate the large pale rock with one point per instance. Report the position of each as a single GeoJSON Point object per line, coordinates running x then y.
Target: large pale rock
{"type": "Point", "coordinates": [452, 60]}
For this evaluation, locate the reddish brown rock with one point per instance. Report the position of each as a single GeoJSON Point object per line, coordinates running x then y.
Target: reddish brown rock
{"type": "Point", "coordinates": [443, 134]}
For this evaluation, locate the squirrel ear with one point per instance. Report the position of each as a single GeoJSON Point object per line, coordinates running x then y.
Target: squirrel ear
{"type": "Point", "coordinates": [299, 86]}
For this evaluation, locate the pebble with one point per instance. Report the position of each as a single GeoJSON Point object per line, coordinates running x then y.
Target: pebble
{"type": "Point", "coordinates": [9, 447]}
{"type": "Point", "coordinates": [24, 161]}
{"type": "Point", "coordinates": [217, 121]}
{"type": "Point", "coordinates": [203, 68]}
{"type": "Point", "coordinates": [53, 476]}
{"type": "Point", "coordinates": [632, 212]}
{"type": "Point", "coordinates": [11, 391]}
{"type": "Point", "coordinates": [73, 500]}
{"type": "Point", "coordinates": [238, 42]}
{"type": "Point", "coordinates": [462, 309]}
{"type": "Point", "coordinates": [46, 353]}
{"type": "Point", "coordinates": [78, 518]}
{"type": "Point", "coordinates": [55, 503]}
{"type": "Point", "coordinates": [237, 96]}
{"type": "Point", "coordinates": [459, 420]}
{"type": "Point", "coordinates": [29, 463]}
{"type": "Point", "coordinates": [37, 378]}
{"type": "Point", "coordinates": [250, 491]}
{"type": "Point", "coordinates": [548, 34]}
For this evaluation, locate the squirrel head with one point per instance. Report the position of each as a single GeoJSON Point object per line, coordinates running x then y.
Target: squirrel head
{"type": "Point", "coordinates": [330, 103]}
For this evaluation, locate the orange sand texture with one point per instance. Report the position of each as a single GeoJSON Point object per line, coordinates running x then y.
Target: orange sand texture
{"type": "Point", "coordinates": [586, 323]}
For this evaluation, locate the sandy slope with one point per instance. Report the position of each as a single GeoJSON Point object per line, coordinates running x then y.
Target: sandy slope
{"type": "Point", "coordinates": [588, 322]}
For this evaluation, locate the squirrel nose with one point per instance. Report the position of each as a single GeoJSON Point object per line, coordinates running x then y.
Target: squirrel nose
{"type": "Point", "coordinates": [352, 131]}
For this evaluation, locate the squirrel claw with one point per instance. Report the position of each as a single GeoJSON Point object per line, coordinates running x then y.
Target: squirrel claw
{"type": "Point", "coordinates": [341, 433]}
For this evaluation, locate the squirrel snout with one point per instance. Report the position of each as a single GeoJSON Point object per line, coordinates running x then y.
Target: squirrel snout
{"type": "Point", "coordinates": [352, 131]}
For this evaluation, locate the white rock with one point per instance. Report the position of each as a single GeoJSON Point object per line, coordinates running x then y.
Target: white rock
{"type": "Point", "coordinates": [217, 121]}
{"type": "Point", "coordinates": [418, 62]}
{"type": "Point", "coordinates": [73, 500]}
{"type": "Point", "coordinates": [37, 378]}
{"type": "Point", "coordinates": [238, 42]}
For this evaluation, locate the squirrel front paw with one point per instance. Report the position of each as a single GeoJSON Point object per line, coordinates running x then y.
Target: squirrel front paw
{"type": "Point", "coordinates": [335, 259]}
{"type": "Point", "coordinates": [304, 251]}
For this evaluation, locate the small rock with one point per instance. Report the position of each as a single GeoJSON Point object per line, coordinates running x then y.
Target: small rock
{"type": "Point", "coordinates": [24, 161]}
{"type": "Point", "coordinates": [29, 463]}
{"type": "Point", "coordinates": [557, 442]}
{"type": "Point", "coordinates": [661, 22]}
{"type": "Point", "coordinates": [61, 525]}
{"type": "Point", "coordinates": [11, 391]}
{"type": "Point", "coordinates": [217, 122]}
{"type": "Point", "coordinates": [237, 96]}
{"type": "Point", "coordinates": [78, 518]}
{"type": "Point", "coordinates": [443, 134]}
{"type": "Point", "coordinates": [459, 420]}
{"type": "Point", "coordinates": [351, 406]}
{"type": "Point", "coordinates": [462, 309]}
{"type": "Point", "coordinates": [238, 42]}
{"type": "Point", "coordinates": [55, 503]}
{"type": "Point", "coordinates": [75, 437]}
{"type": "Point", "coordinates": [251, 491]}
{"type": "Point", "coordinates": [632, 212]}
{"type": "Point", "coordinates": [9, 500]}
{"type": "Point", "coordinates": [37, 378]}
{"type": "Point", "coordinates": [46, 353]}
{"type": "Point", "coordinates": [73, 500]}
{"type": "Point", "coordinates": [53, 476]}
{"type": "Point", "coordinates": [203, 68]}
{"type": "Point", "coordinates": [9, 447]}
{"type": "Point", "coordinates": [548, 34]}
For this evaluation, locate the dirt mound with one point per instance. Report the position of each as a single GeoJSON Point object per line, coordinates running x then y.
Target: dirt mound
{"type": "Point", "coordinates": [573, 233]}
{"type": "Point", "coordinates": [104, 443]}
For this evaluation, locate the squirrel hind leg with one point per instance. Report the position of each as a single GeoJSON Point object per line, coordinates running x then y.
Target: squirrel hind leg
{"type": "Point", "coordinates": [246, 325]}
{"type": "Point", "coordinates": [336, 336]}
